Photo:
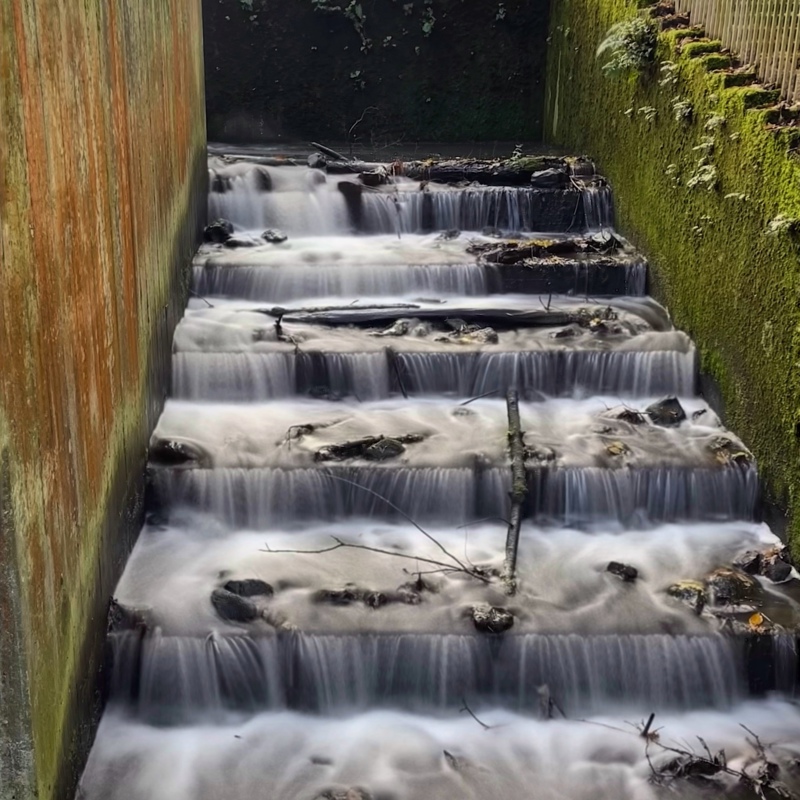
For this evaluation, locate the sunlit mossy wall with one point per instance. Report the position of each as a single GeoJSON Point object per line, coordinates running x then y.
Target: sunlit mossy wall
{"type": "Point", "coordinates": [708, 185]}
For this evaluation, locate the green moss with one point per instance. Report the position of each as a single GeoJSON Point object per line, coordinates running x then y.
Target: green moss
{"type": "Point", "coordinates": [715, 61]}
{"type": "Point", "coordinates": [733, 287]}
{"type": "Point", "coordinates": [754, 97]}
{"type": "Point", "coordinates": [738, 78]}
{"type": "Point", "coordinates": [696, 49]}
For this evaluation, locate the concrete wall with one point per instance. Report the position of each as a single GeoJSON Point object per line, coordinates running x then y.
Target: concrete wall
{"type": "Point", "coordinates": [706, 175]}
{"type": "Point", "coordinates": [435, 70]}
{"type": "Point", "coordinates": [102, 195]}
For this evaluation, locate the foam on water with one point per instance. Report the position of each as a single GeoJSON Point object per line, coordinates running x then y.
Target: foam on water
{"type": "Point", "coordinates": [563, 582]}
{"type": "Point", "coordinates": [290, 756]}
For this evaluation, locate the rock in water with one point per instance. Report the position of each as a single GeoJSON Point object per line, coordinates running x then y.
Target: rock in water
{"type": "Point", "coordinates": [374, 177]}
{"type": "Point", "coordinates": [625, 571]}
{"type": "Point", "coordinates": [233, 608]}
{"type": "Point", "coordinates": [731, 587]}
{"type": "Point", "coordinates": [353, 793]}
{"type": "Point", "coordinates": [667, 412]}
{"type": "Point", "coordinates": [447, 235]}
{"type": "Point", "coordinates": [317, 161]}
{"type": "Point", "coordinates": [218, 231]}
{"type": "Point", "coordinates": [749, 562]}
{"type": "Point", "coordinates": [239, 241]}
{"type": "Point", "coordinates": [170, 453]}
{"type": "Point", "coordinates": [274, 236]}
{"type": "Point", "coordinates": [692, 593]}
{"type": "Point", "coordinates": [550, 178]}
{"type": "Point", "coordinates": [492, 619]}
{"type": "Point", "coordinates": [384, 450]}
{"type": "Point", "coordinates": [249, 587]}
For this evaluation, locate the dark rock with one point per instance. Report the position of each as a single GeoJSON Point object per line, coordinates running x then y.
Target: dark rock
{"type": "Point", "coordinates": [274, 236]}
{"type": "Point", "coordinates": [220, 183]}
{"type": "Point", "coordinates": [338, 597]}
{"type": "Point", "coordinates": [384, 450]}
{"type": "Point", "coordinates": [249, 587]}
{"type": "Point", "coordinates": [448, 235]}
{"type": "Point", "coordinates": [324, 393]}
{"type": "Point", "coordinates": [623, 571]}
{"type": "Point", "coordinates": [233, 608]}
{"type": "Point", "coordinates": [127, 618]}
{"type": "Point", "coordinates": [262, 179]}
{"type": "Point", "coordinates": [375, 599]}
{"type": "Point", "coordinates": [492, 619]}
{"type": "Point", "coordinates": [490, 230]}
{"type": "Point", "coordinates": [749, 562]}
{"type": "Point", "coordinates": [566, 333]}
{"type": "Point", "coordinates": [550, 179]}
{"type": "Point", "coordinates": [692, 593]}
{"type": "Point", "coordinates": [731, 587]}
{"type": "Point", "coordinates": [408, 594]}
{"type": "Point", "coordinates": [170, 453]}
{"type": "Point", "coordinates": [374, 177]}
{"type": "Point", "coordinates": [778, 571]}
{"type": "Point", "coordinates": [317, 161]}
{"type": "Point", "coordinates": [239, 241]}
{"type": "Point", "coordinates": [353, 793]}
{"type": "Point", "coordinates": [667, 412]}
{"type": "Point", "coordinates": [218, 231]}
{"type": "Point", "coordinates": [352, 195]}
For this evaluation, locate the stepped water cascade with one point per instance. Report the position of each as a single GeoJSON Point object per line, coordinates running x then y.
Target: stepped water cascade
{"type": "Point", "coordinates": [321, 604]}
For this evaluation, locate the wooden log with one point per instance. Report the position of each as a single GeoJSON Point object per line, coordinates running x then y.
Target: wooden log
{"type": "Point", "coordinates": [329, 152]}
{"type": "Point", "coordinates": [519, 489]}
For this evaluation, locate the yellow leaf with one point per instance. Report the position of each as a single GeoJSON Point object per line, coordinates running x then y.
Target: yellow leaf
{"type": "Point", "coordinates": [756, 621]}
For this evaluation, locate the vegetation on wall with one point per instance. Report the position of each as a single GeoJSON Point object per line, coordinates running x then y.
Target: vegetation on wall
{"type": "Point", "coordinates": [707, 182]}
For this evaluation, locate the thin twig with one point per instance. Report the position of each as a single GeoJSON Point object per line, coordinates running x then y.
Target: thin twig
{"type": "Point", "coordinates": [400, 511]}
{"type": "Point", "coordinates": [472, 714]}
{"type": "Point", "coordinates": [200, 297]}
{"type": "Point", "coordinates": [340, 544]}
{"type": "Point", "coordinates": [479, 397]}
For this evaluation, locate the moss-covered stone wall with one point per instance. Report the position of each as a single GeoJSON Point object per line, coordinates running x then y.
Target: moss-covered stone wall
{"type": "Point", "coordinates": [435, 70]}
{"type": "Point", "coordinates": [707, 182]}
{"type": "Point", "coordinates": [102, 198]}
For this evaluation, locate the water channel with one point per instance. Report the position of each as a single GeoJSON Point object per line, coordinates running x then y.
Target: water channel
{"type": "Point", "coordinates": [343, 392]}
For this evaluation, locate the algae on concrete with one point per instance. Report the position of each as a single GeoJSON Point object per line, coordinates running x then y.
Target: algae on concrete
{"type": "Point", "coordinates": [701, 200]}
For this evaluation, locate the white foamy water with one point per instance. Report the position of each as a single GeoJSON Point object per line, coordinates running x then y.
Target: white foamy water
{"type": "Point", "coordinates": [289, 756]}
{"type": "Point", "coordinates": [566, 433]}
{"type": "Point", "coordinates": [562, 577]}
{"type": "Point", "coordinates": [357, 668]}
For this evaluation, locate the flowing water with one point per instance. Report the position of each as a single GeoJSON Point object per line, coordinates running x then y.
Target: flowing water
{"type": "Point", "coordinates": [359, 671]}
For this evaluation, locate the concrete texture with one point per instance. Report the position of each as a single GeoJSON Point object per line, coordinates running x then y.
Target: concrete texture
{"type": "Point", "coordinates": [102, 195]}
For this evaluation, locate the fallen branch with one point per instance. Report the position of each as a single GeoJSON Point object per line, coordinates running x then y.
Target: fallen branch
{"type": "Point", "coordinates": [479, 397]}
{"type": "Point", "coordinates": [519, 488]}
{"type": "Point", "coordinates": [329, 152]}
{"type": "Point", "coordinates": [473, 715]}
{"type": "Point", "coordinates": [278, 311]}
{"type": "Point", "coordinates": [443, 567]}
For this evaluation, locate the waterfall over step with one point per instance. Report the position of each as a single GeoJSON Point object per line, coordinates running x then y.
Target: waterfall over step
{"type": "Point", "coordinates": [177, 677]}
{"type": "Point", "coordinates": [384, 373]}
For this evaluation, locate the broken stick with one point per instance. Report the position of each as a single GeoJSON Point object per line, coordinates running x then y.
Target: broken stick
{"type": "Point", "coordinates": [519, 488]}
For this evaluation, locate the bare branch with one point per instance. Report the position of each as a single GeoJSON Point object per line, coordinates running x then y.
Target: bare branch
{"type": "Point", "coordinates": [472, 714]}
{"type": "Point", "coordinates": [400, 511]}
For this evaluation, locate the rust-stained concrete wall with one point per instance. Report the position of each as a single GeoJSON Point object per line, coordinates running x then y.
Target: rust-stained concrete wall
{"type": "Point", "coordinates": [102, 194]}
